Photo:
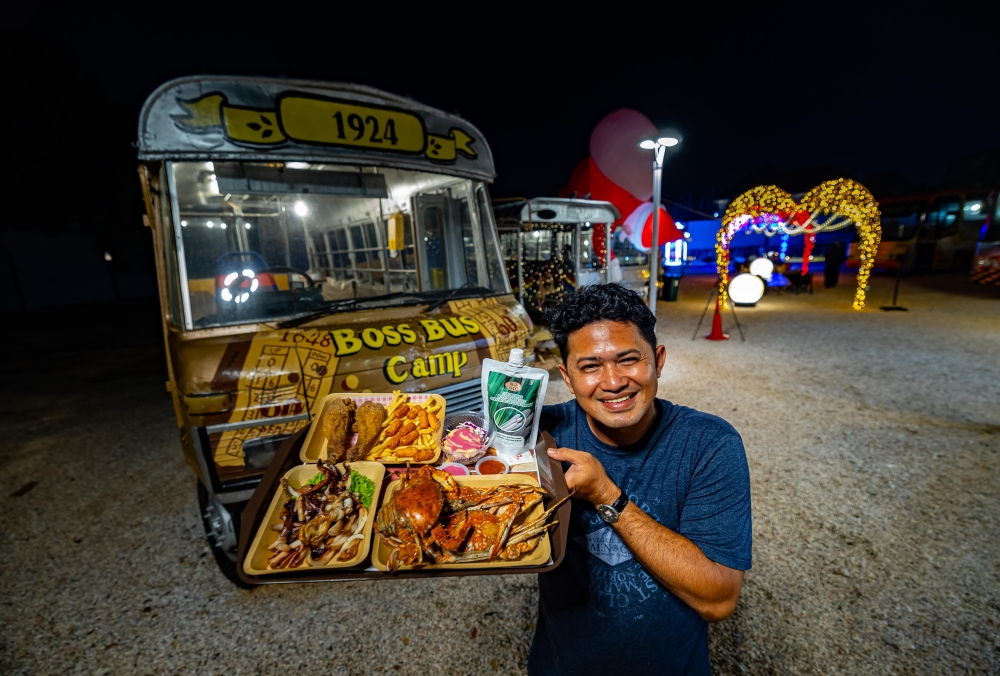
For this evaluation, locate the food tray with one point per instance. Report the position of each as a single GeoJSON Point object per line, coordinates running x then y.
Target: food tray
{"type": "Point", "coordinates": [380, 552]}
{"type": "Point", "coordinates": [315, 444]}
{"type": "Point", "coordinates": [550, 473]}
{"type": "Point", "coordinates": [256, 560]}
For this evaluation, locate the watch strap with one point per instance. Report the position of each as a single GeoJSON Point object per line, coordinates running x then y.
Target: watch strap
{"type": "Point", "coordinates": [619, 504]}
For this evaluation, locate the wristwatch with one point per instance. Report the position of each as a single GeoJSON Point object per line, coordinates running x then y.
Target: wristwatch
{"type": "Point", "coordinates": [610, 513]}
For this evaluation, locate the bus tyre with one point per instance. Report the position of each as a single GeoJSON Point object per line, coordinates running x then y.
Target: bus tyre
{"type": "Point", "coordinates": [961, 261]}
{"type": "Point", "coordinates": [222, 528]}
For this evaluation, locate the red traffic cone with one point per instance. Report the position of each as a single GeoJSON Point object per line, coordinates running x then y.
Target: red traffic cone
{"type": "Point", "coordinates": [717, 333]}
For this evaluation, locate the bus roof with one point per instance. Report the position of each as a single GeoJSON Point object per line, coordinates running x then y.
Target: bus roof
{"type": "Point", "coordinates": [930, 196]}
{"type": "Point", "coordinates": [556, 210]}
{"type": "Point", "coordinates": [275, 120]}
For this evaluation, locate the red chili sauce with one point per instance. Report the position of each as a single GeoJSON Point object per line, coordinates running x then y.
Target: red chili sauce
{"type": "Point", "coordinates": [491, 467]}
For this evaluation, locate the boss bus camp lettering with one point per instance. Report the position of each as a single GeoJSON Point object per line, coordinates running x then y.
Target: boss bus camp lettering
{"type": "Point", "coordinates": [422, 367]}
{"type": "Point", "coordinates": [350, 341]}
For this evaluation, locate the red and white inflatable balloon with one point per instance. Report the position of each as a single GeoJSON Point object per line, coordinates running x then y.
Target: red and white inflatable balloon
{"type": "Point", "coordinates": [620, 172]}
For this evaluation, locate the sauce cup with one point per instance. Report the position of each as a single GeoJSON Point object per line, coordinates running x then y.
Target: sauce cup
{"type": "Point", "coordinates": [500, 462]}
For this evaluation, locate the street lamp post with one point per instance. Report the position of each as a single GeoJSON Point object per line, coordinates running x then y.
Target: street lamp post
{"type": "Point", "coordinates": [659, 148]}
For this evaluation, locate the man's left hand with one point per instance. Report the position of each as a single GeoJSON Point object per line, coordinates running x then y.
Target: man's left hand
{"type": "Point", "coordinates": [586, 476]}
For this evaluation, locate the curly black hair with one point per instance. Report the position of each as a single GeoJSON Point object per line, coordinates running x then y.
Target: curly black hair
{"type": "Point", "coordinates": [596, 303]}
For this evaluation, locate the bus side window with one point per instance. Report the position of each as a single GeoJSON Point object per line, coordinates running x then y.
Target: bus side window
{"type": "Point", "coordinates": [974, 211]}
{"type": "Point", "coordinates": [943, 216]}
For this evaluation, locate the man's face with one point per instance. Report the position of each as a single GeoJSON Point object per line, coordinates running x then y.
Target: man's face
{"type": "Point", "coordinates": [613, 372]}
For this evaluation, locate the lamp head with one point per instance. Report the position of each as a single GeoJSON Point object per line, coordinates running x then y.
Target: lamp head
{"type": "Point", "coordinates": [647, 144]}
{"type": "Point", "coordinates": [668, 141]}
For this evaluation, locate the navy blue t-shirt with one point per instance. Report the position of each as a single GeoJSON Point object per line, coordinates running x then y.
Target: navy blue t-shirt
{"type": "Point", "coordinates": [600, 612]}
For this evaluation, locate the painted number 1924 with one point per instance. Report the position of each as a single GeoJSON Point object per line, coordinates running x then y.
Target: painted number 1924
{"type": "Point", "coordinates": [359, 126]}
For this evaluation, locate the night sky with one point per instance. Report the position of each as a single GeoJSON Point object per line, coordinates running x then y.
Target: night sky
{"type": "Point", "coordinates": [766, 95]}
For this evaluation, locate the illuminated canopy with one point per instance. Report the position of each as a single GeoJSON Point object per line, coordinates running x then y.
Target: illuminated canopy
{"type": "Point", "coordinates": [830, 206]}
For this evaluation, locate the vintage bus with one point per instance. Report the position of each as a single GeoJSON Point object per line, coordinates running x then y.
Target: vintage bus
{"type": "Point", "coordinates": [312, 238]}
{"type": "Point", "coordinates": [929, 232]}
{"type": "Point", "coordinates": [549, 246]}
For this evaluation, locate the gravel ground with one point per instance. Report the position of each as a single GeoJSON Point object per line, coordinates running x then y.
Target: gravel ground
{"type": "Point", "coordinates": [874, 448]}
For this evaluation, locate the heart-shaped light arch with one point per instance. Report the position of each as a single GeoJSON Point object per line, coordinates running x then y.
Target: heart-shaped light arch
{"type": "Point", "coordinates": [771, 210]}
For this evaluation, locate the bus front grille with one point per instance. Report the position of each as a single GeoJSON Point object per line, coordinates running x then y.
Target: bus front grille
{"type": "Point", "coordinates": [467, 396]}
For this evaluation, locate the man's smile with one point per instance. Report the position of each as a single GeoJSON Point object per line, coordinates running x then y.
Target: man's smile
{"type": "Point", "coordinates": [620, 402]}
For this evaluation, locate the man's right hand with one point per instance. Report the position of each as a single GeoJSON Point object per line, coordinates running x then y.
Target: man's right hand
{"type": "Point", "coordinates": [586, 476]}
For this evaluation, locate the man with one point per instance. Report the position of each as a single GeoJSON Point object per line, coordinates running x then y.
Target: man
{"type": "Point", "coordinates": [660, 532]}
{"type": "Point", "coordinates": [834, 259]}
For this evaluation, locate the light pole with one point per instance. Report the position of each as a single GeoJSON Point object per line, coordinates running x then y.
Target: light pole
{"type": "Point", "coordinates": [659, 147]}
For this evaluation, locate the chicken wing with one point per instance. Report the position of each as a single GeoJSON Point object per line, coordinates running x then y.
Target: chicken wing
{"type": "Point", "coordinates": [368, 421]}
{"type": "Point", "coordinates": [336, 426]}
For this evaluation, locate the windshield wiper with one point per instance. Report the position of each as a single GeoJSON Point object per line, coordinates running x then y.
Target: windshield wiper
{"type": "Point", "coordinates": [444, 299]}
{"type": "Point", "coordinates": [328, 309]}
{"type": "Point", "coordinates": [347, 303]}
{"type": "Point", "coordinates": [339, 305]}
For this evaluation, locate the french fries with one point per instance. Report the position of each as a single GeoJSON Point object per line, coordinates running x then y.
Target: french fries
{"type": "Point", "coordinates": [408, 431]}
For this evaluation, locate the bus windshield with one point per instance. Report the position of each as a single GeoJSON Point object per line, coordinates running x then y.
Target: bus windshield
{"type": "Point", "coordinates": [269, 241]}
{"type": "Point", "coordinates": [901, 220]}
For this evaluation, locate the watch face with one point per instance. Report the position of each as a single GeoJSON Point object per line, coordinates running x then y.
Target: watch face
{"type": "Point", "coordinates": [608, 513]}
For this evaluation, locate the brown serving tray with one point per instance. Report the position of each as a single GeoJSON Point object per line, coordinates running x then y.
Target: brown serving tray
{"type": "Point", "coordinates": [549, 473]}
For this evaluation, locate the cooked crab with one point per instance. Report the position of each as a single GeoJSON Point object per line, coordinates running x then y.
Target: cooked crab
{"type": "Point", "coordinates": [432, 516]}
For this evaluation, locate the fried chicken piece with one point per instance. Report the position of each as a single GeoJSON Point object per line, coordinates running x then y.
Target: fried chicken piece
{"type": "Point", "coordinates": [335, 426]}
{"type": "Point", "coordinates": [368, 421]}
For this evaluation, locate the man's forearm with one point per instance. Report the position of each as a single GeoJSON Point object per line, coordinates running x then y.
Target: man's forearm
{"type": "Point", "coordinates": [677, 563]}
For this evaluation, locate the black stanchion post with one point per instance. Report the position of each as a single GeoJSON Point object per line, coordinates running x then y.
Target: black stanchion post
{"type": "Point", "coordinates": [732, 308]}
{"type": "Point", "coordinates": [715, 288]}
{"type": "Point", "coordinates": [895, 290]}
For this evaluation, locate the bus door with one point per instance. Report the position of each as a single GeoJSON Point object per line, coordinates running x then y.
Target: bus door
{"type": "Point", "coordinates": [975, 211]}
{"type": "Point", "coordinates": [941, 221]}
{"type": "Point", "coordinates": [432, 219]}
{"type": "Point", "coordinates": [450, 238]}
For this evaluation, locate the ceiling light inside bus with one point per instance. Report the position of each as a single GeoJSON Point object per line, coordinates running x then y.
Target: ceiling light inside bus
{"type": "Point", "coordinates": [300, 208]}
{"type": "Point", "coordinates": [246, 225]}
{"type": "Point", "coordinates": [184, 224]}
{"type": "Point", "coordinates": [223, 225]}
{"type": "Point", "coordinates": [210, 224]}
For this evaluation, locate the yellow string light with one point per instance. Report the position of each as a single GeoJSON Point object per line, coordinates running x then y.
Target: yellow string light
{"type": "Point", "coordinates": [849, 198]}
{"type": "Point", "coordinates": [842, 197]}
